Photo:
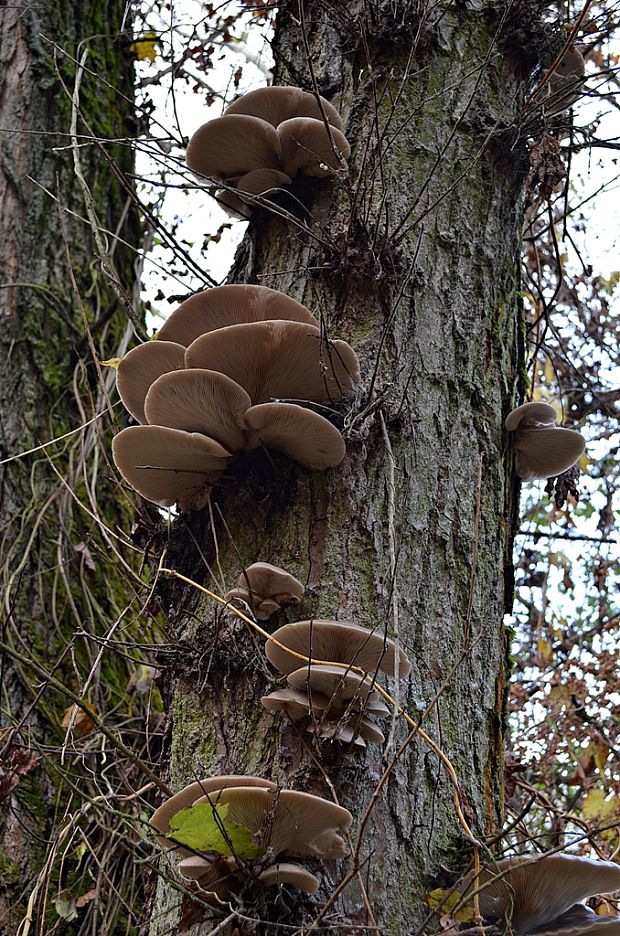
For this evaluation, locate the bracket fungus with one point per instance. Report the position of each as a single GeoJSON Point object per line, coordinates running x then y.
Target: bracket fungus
{"type": "Point", "coordinates": [565, 84]}
{"type": "Point", "coordinates": [215, 385]}
{"type": "Point", "coordinates": [263, 140]}
{"type": "Point", "coordinates": [266, 588]}
{"type": "Point", "coordinates": [542, 449]}
{"type": "Point", "coordinates": [544, 894]}
{"type": "Point", "coordinates": [287, 822]}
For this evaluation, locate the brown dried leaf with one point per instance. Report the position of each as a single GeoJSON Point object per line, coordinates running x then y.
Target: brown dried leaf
{"type": "Point", "coordinates": [78, 719]}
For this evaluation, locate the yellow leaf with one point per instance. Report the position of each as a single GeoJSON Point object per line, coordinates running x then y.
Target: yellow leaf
{"type": "Point", "coordinates": [544, 649]}
{"type": "Point", "coordinates": [600, 753]}
{"type": "Point", "coordinates": [112, 362]}
{"type": "Point", "coordinates": [145, 48]}
{"type": "Point", "coordinates": [595, 806]}
{"type": "Point", "coordinates": [442, 899]}
{"type": "Point", "coordinates": [584, 462]}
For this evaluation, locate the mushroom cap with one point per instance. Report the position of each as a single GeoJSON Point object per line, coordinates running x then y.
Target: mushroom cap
{"type": "Point", "coordinates": [233, 205]}
{"type": "Point", "coordinates": [289, 821]}
{"type": "Point", "coordinates": [263, 608]}
{"type": "Point", "coordinates": [266, 580]}
{"type": "Point", "coordinates": [260, 181]}
{"type": "Point", "coordinates": [278, 359]}
{"type": "Point", "coordinates": [230, 305]}
{"type": "Point", "coordinates": [304, 436]}
{"type": "Point", "coordinates": [339, 684]}
{"type": "Point", "coordinates": [306, 147]}
{"type": "Point", "coordinates": [160, 820]}
{"type": "Point", "coordinates": [533, 893]}
{"type": "Point", "coordinates": [531, 416]}
{"type": "Point", "coordinates": [141, 367]}
{"type": "Point", "coordinates": [357, 732]}
{"type": "Point", "coordinates": [285, 873]}
{"type": "Point", "coordinates": [233, 145]}
{"type": "Point", "coordinates": [334, 642]}
{"type": "Point", "coordinates": [280, 103]}
{"type": "Point", "coordinates": [199, 401]}
{"type": "Point", "coordinates": [571, 65]}
{"type": "Point", "coordinates": [167, 466]}
{"type": "Point", "coordinates": [545, 453]}
{"type": "Point", "coordinates": [579, 920]}
{"type": "Point", "coordinates": [294, 703]}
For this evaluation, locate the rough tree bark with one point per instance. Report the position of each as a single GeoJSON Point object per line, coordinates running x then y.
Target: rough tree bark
{"type": "Point", "coordinates": [415, 263]}
{"type": "Point", "coordinates": [58, 312]}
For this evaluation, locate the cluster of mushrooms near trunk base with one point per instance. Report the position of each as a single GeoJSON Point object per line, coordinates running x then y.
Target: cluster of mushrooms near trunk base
{"type": "Point", "coordinates": [263, 140]}
{"type": "Point", "coordinates": [275, 821]}
{"type": "Point", "coordinates": [542, 449]}
{"type": "Point", "coordinates": [212, 384]}
{"type": "Point", "coordinates": [333, 693]}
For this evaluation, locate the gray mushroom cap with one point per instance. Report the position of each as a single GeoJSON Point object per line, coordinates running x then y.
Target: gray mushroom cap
{"type": "Point", "coordinates": [307, 148]}
{"type": "Point", "coordinates": [286, 873]}
{"type": "Point", "coordinates": [337, 683]}
{"type": "Point", "coordinates": [270, 581]}
{"type": "Point", "coordinates": [141, 367]}
{"type": "Point", "coordinates": [334, 642]}
{"type": "Point", "coordinates": [304, 436]}
{"type": "Point", "coordinates": [233, 145]}
{"type": "Point", "coordinates": [531, 416]}
{"type": "Point", "coordinates": [542, 450]}
{"type": "Point", "coordinates": [280, 103]}
{"type": "Point", "coordinates": [231, 305]}
{"type": "Point", "coordinates": [579, 920]}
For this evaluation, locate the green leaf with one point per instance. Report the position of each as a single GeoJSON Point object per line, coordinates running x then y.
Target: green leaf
{"type": "Point", "coordinates": [200, 826]}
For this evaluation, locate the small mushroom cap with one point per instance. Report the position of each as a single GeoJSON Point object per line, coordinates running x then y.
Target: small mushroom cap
{"type": "Point", "coordinates": [233, 145]}
{"type": "Point", "coordinates": [571, 65]}
{"type": "Point", "coordinates": [289, 821]}
{"type": "Point", "coordinates": [293, 702]}
{"type": "Point", "coordinates": [167, 466]}
{"type": "Point", "coordinates": [284, 873]}
{"type": "Point", "coordinates": [533, 893]}
{"type": "Point", "coordinates": [336, 682]}
{"type": "Point", "coordinates": [581, 921]}
{"type": "Point", "coordinates": [263, 180]}
{"type": "Point", "coordinates": [306, 147]}
{"type": "Point", "coordinates": [531, 416]}
{"type": "Point", "coordinates": [231, 305]}
{"type": "Point", "coordinates": [278, 359]}
{"type": "Point", "coordinates": [545, 453]}
{"type": "Point", "coordinates": [358, 732]}
{"type": "Point", "coordinates": [304, 436]}
{"type": "Point", "coordinates": [199, 401]}
{"type": "Point", "coordinates": [334, 642]}
{"type": "Point", "coordinates": [141, 367]}
{"type": "Point", "coordinates": [267, 580]}
{"type": "Point", "coordinates": [194, 867]}
{"type": "Point", "coordinates": [281, 103]}
{"type": "Point", "coordinates": [233, 205]}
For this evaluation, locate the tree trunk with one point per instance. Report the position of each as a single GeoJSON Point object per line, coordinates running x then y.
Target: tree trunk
{"type": "Point", "coordinates": [60, 314]}
{"type": "Point", "coordinates": [414, 262]}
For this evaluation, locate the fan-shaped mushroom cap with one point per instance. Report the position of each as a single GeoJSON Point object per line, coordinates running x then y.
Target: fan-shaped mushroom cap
{"type": "Point", "coordinates": [334, 642]}
{"type": "Point", "coordinates": [358, 732]}
{"type": "Point", "coordinates": [141, 367]}
{"type": "Point", "coordinates": [339, 684]}
{"type": "Point", "coordinates": [293, 702]}
{"type": "Point", "coordinates": [263, 607]}
{"type": "Point", "coordinates": [276, 359]}
{"type": "Point", "coordinates": [233, 145]}
{"type": "Point", "coordinates": [533, 893]}
{"type": "Point", "coordinates": [262, 180]}
{"type": "Point", "coordinates": [531, 416]}
{"type": "Point", "coordinates": [288, 821]}
{"type": "Point", "coordinates": [160, 820]}
{"type": "Point", "coordinates": [199, 401]}
{"type": "Point", "coordinates": [306, 147]}
{"type": "Point", "coordinates": [231, 305]}
{"type": "Point", "coordinates": [304, 436]}
{"type": "Point", "coordinates": [284, 873]}
{"type": "Point", "coordinates": [581, 921]}
{"type": "Point", "coordinates": [545, 453]}
{"type": "Point", "coordinates": [269, 581]}
{"type": "Point", "coordinates": [168, 466]}
{"type": "Point", "coordinates": [566, 81]}
{"type": "Point", "coordinates": [233, 205]}
{"type": "Point", "coordinates": [281, 103]}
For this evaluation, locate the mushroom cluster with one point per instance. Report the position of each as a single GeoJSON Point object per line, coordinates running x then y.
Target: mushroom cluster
{"type": "Point", "coordinates": [543, 895]}
{"type": "Point", "coordinates": [263, 140]}
{"type": "Point", "coordinates": [280, 822]}
{"type": "Point", "coordinates": [542, 449]}
{"type": "Point", "coordinates": [337, 697]}
{"type": "Point", "coordinates": [212, 384]}
{"type": "Point", "coordinates": [265, 588]}
{"type": "Point", "coordinates": [565, 83]}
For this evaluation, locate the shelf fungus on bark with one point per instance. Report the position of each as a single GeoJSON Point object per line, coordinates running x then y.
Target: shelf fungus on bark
{"type": "Point", "coordinates": [264, 820]}
{"type": "Point", "coordinates": [265, 588]}
{"type": "Point", "coordinates": [565, 84]}
{"type": "Point", "coordinates": [221, 388]}
{"type": "Point", "coordinates": [263, 140]}
{"type": "Point", "coordinates": [337, 697]}
{"type": "Point", "coordinates": [543, 895]}
{"type": "Point", "coordinates": [542, 449]}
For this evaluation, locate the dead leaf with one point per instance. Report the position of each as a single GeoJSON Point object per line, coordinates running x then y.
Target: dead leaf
{"type": "Point", "coordinates": [78, 719]}
{"type": "Point", "coordinates": [16, 763]}
{"type": "Point", "coordinates": [86, 898]}
{"type": "Point", "coordinates": [84, 551]}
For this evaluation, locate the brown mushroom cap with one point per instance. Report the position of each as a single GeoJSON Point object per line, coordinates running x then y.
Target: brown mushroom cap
{"type": "Point", "coordinates": [278, 359]}
{"type": "Point", "coordinates": [285, 873]}
{"type": "Point", "coordinates": [334, 642]}
{"type": "Point", "coordinates": [231, 305]}
{"type": "Point", "coordinates": [358, 732]}
{"type": "Point", "coordinates": [168, 466]}
{"type": "Point", "coordinates": [581, 921]}
{"type": "Point", "coordinates": [531, 416]}
{"type": "Point", "coordinates": [565, 82]}
{"type": "Point", "coordinates": [280, 103]}
{"type": "Point", "coordinates": [293, 702]}
{"type": "Point", "coordinates": [533, 893]}
{"type": "Point", "coordinates": [288, 821]}
{"type": "Point", "coordinates": [263, 180]}
{"type": "Point", "coordinates": [141, 367]}
{"type": "Point", "coordinates": [304, 436]}
{"type": "Point", "coordinates": [339, 684]}
{"type": "Point", "coordinates": [233, 145]}
{"type": "Point", "coordinates": [266, 581]}
{"type": "Point", "coordinates": [306, 147]}
{"type": "Point", "coordinates": [199, 401]}
{"type": "Point", "coordinates": [545, 453]}
{"type": "Point", "coordinates": [233, 205]}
